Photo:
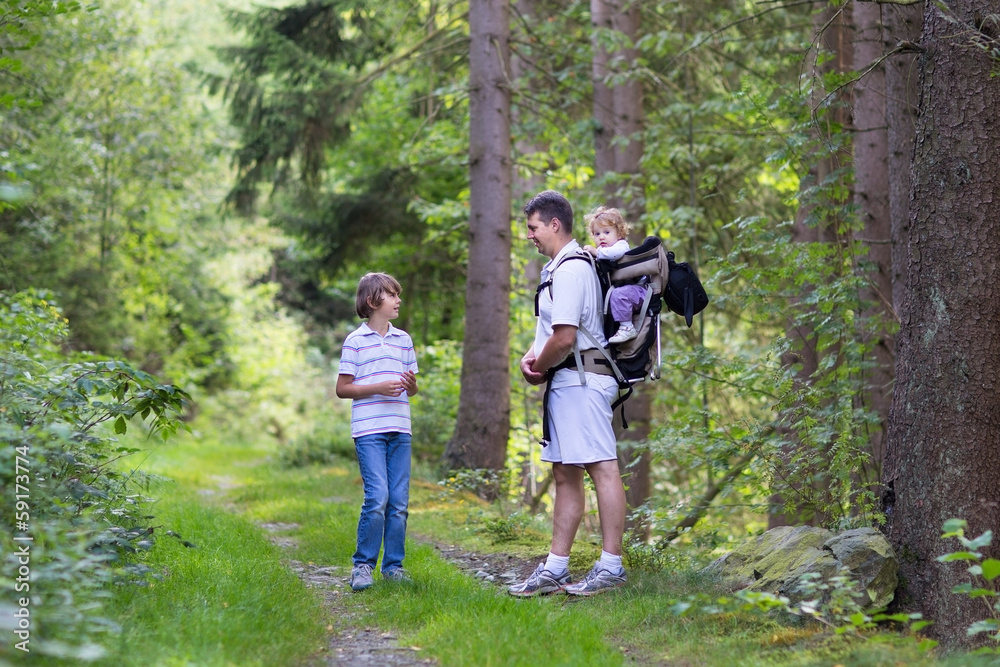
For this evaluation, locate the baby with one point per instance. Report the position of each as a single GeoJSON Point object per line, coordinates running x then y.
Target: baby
{"type": "Point", "coordinates": [610, 232]}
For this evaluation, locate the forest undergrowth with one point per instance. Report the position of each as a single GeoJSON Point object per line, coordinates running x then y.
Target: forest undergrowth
{"type": "Point", "coordinates": [266, 583]}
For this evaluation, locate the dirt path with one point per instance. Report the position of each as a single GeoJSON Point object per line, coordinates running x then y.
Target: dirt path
{"type": "Point", "coordinates": [349, 646]}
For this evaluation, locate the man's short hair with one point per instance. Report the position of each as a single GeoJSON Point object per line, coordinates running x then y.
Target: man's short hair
{"type": "Point", "coordinates": [372, 290]}
{"type": "Point", "coordinates": [551, 204]}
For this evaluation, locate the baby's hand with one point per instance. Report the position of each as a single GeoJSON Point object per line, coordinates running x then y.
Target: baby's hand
{"type": "Point", "coordinates": [591, 249]}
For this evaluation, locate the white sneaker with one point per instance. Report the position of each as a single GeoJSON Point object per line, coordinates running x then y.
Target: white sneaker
{"type": "Point", "coordinates": [598, 580]}
{"type": "Point", "coordinates": [625, 332]}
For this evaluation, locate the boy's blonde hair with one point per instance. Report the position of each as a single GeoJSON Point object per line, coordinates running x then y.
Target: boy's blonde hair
{"type": "Point", "coordinates": [372, 290]}
{"type": "Point", "coordinates": [605, 216]}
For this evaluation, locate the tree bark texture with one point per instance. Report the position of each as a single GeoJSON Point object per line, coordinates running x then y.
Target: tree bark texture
{"type": "Point", "coordinates": [483, 423]}
{"type": "Point", "coordinates": [902, 24]}
{"type": "Point", "coordinates": [871, 197]}
{"type": "Point", "coordinates": [943, 454]}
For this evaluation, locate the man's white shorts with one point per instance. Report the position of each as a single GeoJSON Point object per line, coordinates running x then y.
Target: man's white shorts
{"type": "Point", "coordinates": [580, 422]}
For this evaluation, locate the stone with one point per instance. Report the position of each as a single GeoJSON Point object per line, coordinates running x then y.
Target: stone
{"type": "Point", "coordinates": [775, 561]}
{"type": "Point", "coordinates": [870, 560]}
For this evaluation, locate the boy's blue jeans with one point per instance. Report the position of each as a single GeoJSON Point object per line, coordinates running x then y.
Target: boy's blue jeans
{"type": "Point", "coordinates": [384, 459]}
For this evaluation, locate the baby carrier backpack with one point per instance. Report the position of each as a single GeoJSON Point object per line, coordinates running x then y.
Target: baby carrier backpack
{"type": "Point", "coordinates": [667, 281]}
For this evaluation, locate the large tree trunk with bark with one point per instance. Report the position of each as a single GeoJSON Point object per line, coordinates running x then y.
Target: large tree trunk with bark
{"type": "Point", "coordinates": [483, 424]}
{"type": "Point", "coordinates": [943, 447]}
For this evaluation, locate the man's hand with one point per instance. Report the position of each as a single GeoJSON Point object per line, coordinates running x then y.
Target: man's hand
{"type": "Point", "coordinates": [529, 375]}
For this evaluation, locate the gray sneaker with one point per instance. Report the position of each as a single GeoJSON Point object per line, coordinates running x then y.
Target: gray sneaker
{"type": "Point", "coordinates": [396, 574]}
{"type": "Point", "coordinates": [598, 580]}
{"type": "Point", "coordinates": [541, 582]}
{"type": "Point", "coordinates": [361, 577]}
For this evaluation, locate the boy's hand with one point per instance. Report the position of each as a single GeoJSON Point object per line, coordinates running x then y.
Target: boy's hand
{"type": "Point", "coordinates": [409, 380]}
{"type": "Point", "coordinates": [591, 249]}
{"type": "Point", "coordinates": [392, 387]}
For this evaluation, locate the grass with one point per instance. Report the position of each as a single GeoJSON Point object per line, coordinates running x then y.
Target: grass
{"type": "Point", "coordinates": [230, 601]}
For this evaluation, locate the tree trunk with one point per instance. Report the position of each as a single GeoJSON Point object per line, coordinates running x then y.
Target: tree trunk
{"type": "Point", "coordinates": [483, 423]}
{"type": "Point", "coordinates": [525, 182]}
{"type": "Point", "coordinates": [871, 197]}
{"type": "Point", "coordinates": [628, 116]}
{"type": "Point", "coordinates": [902, 24]}
{"type": "Point", "coordinates": [601, 12]}
{"type": "Point", "coordinates": [618, 149]}
{"type": "Point", "coordinates": [943, 447]}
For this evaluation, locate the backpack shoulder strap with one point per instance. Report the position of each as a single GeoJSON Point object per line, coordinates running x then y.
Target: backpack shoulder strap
{"type": "Point", "coordinates": [548, 283]}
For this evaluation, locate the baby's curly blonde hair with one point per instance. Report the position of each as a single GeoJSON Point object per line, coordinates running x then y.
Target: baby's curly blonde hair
{"type": "Point", "coordinates": [605, 216]}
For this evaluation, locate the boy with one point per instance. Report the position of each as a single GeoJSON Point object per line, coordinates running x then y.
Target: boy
{"type": "Point", "coordinates": [378, 368]}
{"type": "Point", "coordinates": [610, 233]}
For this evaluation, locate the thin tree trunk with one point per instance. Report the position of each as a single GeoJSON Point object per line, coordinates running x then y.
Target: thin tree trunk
{"type": "Point", "coordinates": [835, 41]}
{"type": "Point", "coordinates": [902, 25]}
{"type": "Point", "coordinates": [628, 116]}
{"type": "Point", "coordinates": [871, 197]}
{"type": "Point", "coordinates": [525, 182]}
{"type": "Point", "coordinates": [483, 424]}
{"type": "Point", "coordinates": [601, 12]}
{"type": "Point", "coordinates": [618, 149]}
{"type": "Point", "coordinates": [943, 444]}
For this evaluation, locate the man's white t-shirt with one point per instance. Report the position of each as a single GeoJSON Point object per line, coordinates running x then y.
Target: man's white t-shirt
{"type": "Point", "coordinates": [577, 302]}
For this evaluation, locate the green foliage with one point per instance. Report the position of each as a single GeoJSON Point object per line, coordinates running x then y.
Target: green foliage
{"type": "Point", "coordinates": [834, 604]}
{"type": "Point", "coordinates": [118, 162]}
{"type": "Point", "coordinates": [75, 512]}
{"type": "Point", "coordinates": [434, 408]}
{"type": "Point", "coordinates": [506, 528]}
{"type": "Point", "coordinates": [984, 580]}
{"type": "Point", "coordinates": [325, 443]}
{"type": "Point", "coordinates": [294, 86]}
{"type": "Point", "coordinates": [500, 521]}
{"type": "Point", "coordinates": [340, 114]}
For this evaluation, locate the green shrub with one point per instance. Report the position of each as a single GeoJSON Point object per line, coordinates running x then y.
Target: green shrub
{"type": "Point", "coordinates": [435, 407]}
{"type": "Point", "coordinates": [326, 442]}
{"type": "Point", "coordinates": [74, 516]}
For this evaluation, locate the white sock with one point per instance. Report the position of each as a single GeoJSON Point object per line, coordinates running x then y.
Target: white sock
{"type": "Point", "coordinates": [557, 565]}
{"type": "Point", "coordinates": [611, 562]}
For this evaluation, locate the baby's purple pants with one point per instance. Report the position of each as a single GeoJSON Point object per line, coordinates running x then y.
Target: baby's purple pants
{"type": "Point", "coordinates": [624, 300]}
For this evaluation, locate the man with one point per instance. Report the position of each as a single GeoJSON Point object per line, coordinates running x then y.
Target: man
{"type": "Point", "coordinates": [579, 431]}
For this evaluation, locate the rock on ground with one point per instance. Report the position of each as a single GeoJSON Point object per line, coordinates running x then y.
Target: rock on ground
{"type": "Point", "coordinates": [776, 560]}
